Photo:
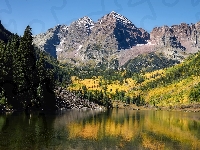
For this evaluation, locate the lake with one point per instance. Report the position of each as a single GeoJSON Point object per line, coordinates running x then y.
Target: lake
{"type": "Point", "coordinates": [88, 130]}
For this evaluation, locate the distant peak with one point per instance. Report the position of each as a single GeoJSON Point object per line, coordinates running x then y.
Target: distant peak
{"type": "Point", "coordinates": [85, 18]}
{"type": "Point", "coordinates": [113, 12]}
{"type": "Point", "coordinates": [119, 17]}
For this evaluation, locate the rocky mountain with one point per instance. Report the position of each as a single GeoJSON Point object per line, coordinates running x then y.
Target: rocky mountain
{"type": "Point", "coordinates": [175, 43]}
{"type": "Point", "coordinates": [114, 41]}
{"type": "Point", "coordinates": [114, 31]}
{"type": "Point", "coordinates": [110, 34]}
{"type": "Point", "coordinates": [85, 41]}
{"type": "Point", "coordinates": [183, 32]}
{"type": "Point", "coordinates": [183, 36]}
{"type": "Point", "coordinates": [78, 33]}
{"type": "Point", "coordinates": [51, 39]}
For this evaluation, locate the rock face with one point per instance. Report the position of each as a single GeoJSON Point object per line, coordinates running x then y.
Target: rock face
{"type": "Point", "coordinates": [183, 36]}
{"type": "Point", "coordinates": [176, 41]}
{"type": "Point", "coordinates": [195, 34]}
{"type": "Point", "coordinates": [51, 39]}
{"type": "Point", "coordinates": [103, 42]}
{"type": "Point", "coordinates": [85, 40]}
{"type": "Point", "coordinates": [166, 36]}
{"type": "Point", "coordinates": [110, 34]}
{"type": "Point", "coordinates": [116, 31]}
{"type": "Point", "coordinates": [78, 33]}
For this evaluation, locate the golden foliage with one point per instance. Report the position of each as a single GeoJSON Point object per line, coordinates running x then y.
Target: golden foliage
{"type": "Point", "coordinates": [176, 93]}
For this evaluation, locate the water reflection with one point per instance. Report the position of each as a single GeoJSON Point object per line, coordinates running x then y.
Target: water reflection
{"type": "Point", "coordinates": [140, 129]}
{"type": "Point", "coordinates": [116, 129]}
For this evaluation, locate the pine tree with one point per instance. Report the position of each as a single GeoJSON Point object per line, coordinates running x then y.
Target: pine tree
{"type": "Point", "coordinates": [28, 66]}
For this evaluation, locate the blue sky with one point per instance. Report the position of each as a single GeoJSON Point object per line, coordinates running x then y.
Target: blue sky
{"type": "Point", "coordinates": [41, 15]}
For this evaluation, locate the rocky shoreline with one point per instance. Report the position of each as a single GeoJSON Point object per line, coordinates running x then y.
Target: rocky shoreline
{"type": "Point", "coordinates": [65, 100]}
{"type": "Point", "coordinates": [68, 100]}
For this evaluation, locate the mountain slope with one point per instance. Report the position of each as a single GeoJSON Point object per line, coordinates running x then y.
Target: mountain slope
{"type": "Point", "coordinates": [184, 36]}
{"type": "Point", "coordinates": [78, 33]}
{"type": "Point", "coordinates": [179, 83]}
{"type": "Point", "coordinates": [149, 62]}
{"type": "Point", "coordinates": [51, 39]}
{"type": "Point", "coordinates": [4, 33]}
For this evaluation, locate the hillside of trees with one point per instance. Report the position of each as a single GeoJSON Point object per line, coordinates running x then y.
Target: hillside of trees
{"type": "Point", "coordinates": [149, 62]}
{"type": "Point", "coordinates": [173, 86]}
{"type": "Point", "coordinates": [26, 77]}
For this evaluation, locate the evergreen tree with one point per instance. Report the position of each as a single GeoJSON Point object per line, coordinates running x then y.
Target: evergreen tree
{"type": "Point", "coordinates": [26, 66]}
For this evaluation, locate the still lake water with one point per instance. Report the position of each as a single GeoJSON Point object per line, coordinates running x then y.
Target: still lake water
{"type": "Point", "coordinates": [115, 129]}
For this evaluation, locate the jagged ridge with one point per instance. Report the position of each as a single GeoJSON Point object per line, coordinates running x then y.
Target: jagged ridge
{"type": "Point", "coordinates": [86, 42]}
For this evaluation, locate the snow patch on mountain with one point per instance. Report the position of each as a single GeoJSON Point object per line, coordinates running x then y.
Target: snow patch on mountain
{"type": "Point", "coordinates": [80, 46]}
{"type": "Point", "coordinates": [85, 22]}
{"type": "Point", "coordinates": [120, 18]}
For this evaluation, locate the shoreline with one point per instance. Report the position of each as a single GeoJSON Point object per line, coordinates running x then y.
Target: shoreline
{"type": "Point", "coordinates": [74, 103]}
{"type": "Point", "coordinates": [184, 108]}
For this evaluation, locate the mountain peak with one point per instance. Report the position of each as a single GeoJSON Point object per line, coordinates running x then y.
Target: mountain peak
{"type": "Point", "coordinates": [113, 12]}
{"type": "Point", "coordinates": [85, 20]}
{"type": "Point", "coordinates": [119, 17]}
